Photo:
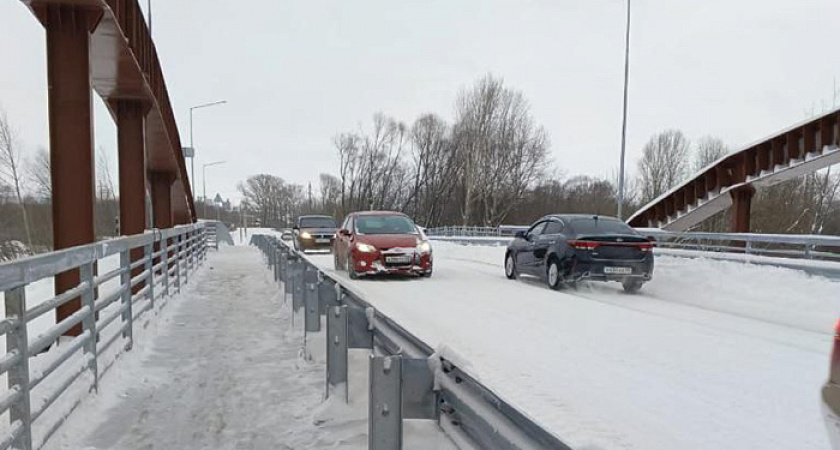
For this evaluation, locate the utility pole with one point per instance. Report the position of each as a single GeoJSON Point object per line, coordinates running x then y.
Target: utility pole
{"type": "Point", "coordinates": [624, 120]}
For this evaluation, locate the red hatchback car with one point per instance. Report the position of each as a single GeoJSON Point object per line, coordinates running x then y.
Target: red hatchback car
{"type": "Point", "coordinates": [382, 242]}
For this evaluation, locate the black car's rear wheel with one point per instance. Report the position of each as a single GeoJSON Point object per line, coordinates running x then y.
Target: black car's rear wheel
{"type": "Point", "coordinates": [632, 286]}
{"type": "Point", "coordinates": [510, 266]}
{"type": "Point", "coordinates": [554, 275]}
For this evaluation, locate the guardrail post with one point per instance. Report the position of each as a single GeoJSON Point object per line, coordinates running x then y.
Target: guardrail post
{"type": "Point", "coordinates": [284, 266]}
{"type": "Point", "coordinates": [125, 298]}
{"type": "Point", "coordinates": [809, 248]}
{"type": "Point", "coordinates": [385, 407]}
{"type": "Point", "coordinates": [276, 251]}
{"type": "Point", "coordinates": [177, 264]}
{"type": "Point", "coordinates": [165, 258]}
{"type": "Point", "coordinates": [186, 247]}
{"type": "Point", "coordinates": [297, 284]}
{"type": "Point", "coordinates": [312, 318]}
{"type": "Point", "coordinates": [327, 295]}
{"type": "Point", "coordinates": [289, 282]}
{"type": "Point", "coordinates": [150, 260]}
{"type": "Point", "coordinates": [18, 375]}
{"type": "Point", "coordinates": [89, 323]}
{"type": "Point", "coordinates": [337, 345]}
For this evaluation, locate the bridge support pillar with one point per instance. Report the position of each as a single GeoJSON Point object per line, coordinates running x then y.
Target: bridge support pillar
{"type": "Point", "coordinates": [741, 204]}
{"type": "Point", "coordinates": [68, 30]}
{"type": "Point", "coordinates": [132, 172]}
{"type": "Point", "coordinates": [162, 198]}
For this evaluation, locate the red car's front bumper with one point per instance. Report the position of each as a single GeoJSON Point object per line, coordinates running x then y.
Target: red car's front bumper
{"type": "Point", "coordinates": [406, 263]}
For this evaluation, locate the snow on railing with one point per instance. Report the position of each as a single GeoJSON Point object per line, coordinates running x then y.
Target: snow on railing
{"type": "Point", "coordinates": [150, 267]}
{"type": "Point", "coordinates": [408, 378]}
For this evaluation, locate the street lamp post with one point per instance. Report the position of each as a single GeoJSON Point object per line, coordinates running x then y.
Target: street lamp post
{"type": "Point", "coordinates": [204, 179]}
{"type": "Point", "coordinates": [624, 119]}
{"type": "Point", "coordinates": [204, 105]}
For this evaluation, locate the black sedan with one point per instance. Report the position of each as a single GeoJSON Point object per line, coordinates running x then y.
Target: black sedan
{"type": "Point", "coordinates": [563, 249]}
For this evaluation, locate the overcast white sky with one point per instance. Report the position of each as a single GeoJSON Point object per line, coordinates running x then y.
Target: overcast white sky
{"type": "Point", "coordinates": [295, 73]}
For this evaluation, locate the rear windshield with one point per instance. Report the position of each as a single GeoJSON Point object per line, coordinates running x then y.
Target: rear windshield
{"type": "Point", "coordinates": [316, 222]}
{"type": "Point", "coordinates": [600, 226]}
{"type": "Point", "coordinates": [385, 225]}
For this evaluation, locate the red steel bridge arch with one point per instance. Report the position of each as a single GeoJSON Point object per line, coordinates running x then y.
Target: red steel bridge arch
{"type": "Point", "coordinates": [732, 180]}
{"type": "Point", "coordinates": [104, 46]}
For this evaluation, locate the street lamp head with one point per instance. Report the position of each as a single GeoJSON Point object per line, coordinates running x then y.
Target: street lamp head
{"type": "Point", "coordinates": [205, 105]}
{"type": "Point", "coordinates": [214, 163]}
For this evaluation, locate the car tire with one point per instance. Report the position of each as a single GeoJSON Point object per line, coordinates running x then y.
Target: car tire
{"type": "Point", "coordinates": [510, 266]}
{"type": "Point", "coordinates": [349, 266]}
{"type": "Point", "coordinates": [554, 275]}
{"type": "Point", "coordinates": [632, 286]}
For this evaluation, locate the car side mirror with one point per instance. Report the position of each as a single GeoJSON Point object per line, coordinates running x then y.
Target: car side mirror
{"type": "Point", "coordinates": [344, 232]}
{"type": "Point", "coordinates": [522, 235]}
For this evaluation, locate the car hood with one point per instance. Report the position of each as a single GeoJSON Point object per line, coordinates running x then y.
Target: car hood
{"type": "Point", "coordinates": [386, 241]}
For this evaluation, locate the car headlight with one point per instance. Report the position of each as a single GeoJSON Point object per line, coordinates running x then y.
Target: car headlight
{"type": "Point", "coordinates": [365, 248]}
{"type": "Point", "coordinates": [305, 235]}
{"type": "Point", "coordinates": [424, 247]}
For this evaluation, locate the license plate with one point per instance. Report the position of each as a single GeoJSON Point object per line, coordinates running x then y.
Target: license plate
{"type": "Point", "coordinates": [618, 270]}
{"type": "Point", "coordinates": [398, 259]}
{"type": "Point", "coordinates": [322, 241]}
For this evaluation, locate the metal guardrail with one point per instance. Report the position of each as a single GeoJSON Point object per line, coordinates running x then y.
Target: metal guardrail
{"type": "Point", "coordinates": [408, 380]}
{"type": "Point", "coordinates": [776, 245]}
{"type": "Point", "coordinates": [165, 261]}
{"type": "Point", "coordinates": [462, 231]}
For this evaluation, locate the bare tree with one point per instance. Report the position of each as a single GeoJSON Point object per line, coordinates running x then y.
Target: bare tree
{"type": "Point", "coordinates": [40, 174]}
{"type": "Point", "coordinates": [708, 150]}
{"type": "Point", "coordinates": [503, 151]}
{"type": "Point", "coordinates": [664, 163]}
{"type": "Point", "coordinates": [11, 170]}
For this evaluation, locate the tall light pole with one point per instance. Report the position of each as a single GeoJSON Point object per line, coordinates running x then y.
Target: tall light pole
{"type": "Point", "coordinates": [204, 179]}
{"type": "Point", "coordinates": [624, 120]}
{"type": "Point", "coordinates": [204, 105]}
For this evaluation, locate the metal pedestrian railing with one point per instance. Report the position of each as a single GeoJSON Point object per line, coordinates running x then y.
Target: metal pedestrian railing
{"type": "Point", "coordinates": [145, 269]}
{"type": "Point", "coordinates": [408, 379]}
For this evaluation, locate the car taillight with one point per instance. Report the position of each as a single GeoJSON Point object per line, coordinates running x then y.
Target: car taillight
{"type": "Point", "coordinates": [583, 245]}
{"type": "Point", "coordinates": [837, 330]}
{"type": "Point", "coordinates": [646, 247]}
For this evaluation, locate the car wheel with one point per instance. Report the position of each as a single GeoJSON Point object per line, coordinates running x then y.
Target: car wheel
{"type": "Point", "coordinates": [632, 286]}
{"type": "Point", "coordinates": [510, 266]}
{"type": "Point", "coordinates": [554, 275]}
{"type": "Point", "coordinates": [349, 266]}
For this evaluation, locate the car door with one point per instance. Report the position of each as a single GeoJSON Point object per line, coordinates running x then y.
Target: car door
{"type": "Point", "coordinates": [525, 257]}
{"type": "Point", "coordinates": [543, 243]}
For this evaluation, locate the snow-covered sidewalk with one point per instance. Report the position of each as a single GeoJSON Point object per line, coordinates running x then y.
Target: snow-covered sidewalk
{"type": "Point", "coordinates": [221, 373]}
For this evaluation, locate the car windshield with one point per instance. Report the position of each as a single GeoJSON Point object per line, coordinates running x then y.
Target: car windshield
{"type": "Point", "coordinates": [316, 222]}
{"type": "Point", "coordinates": [592, 226]}
{"type": "Point", "coordinates": [385, 225]}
